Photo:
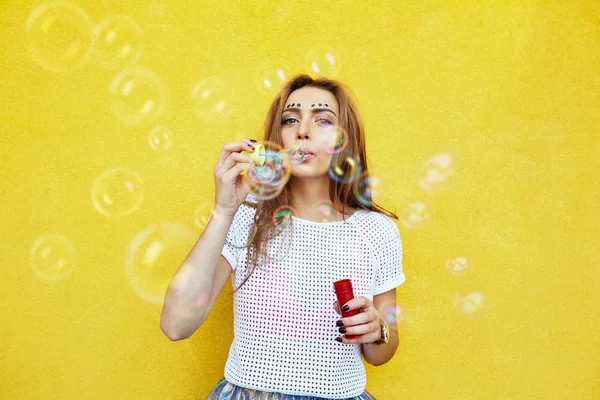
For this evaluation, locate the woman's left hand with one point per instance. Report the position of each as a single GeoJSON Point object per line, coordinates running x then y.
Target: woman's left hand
{"type": "Point", "coordinates": [365, 323]}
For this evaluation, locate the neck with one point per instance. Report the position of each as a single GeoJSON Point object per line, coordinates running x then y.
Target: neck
{"type": "Point", "coordinates": [307, 194]}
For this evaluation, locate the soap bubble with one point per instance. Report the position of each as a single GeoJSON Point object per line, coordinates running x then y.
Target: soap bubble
{"type": "Point", "coordinates": [367, 188]}
{"type": "Point", "coordinates": [458, 265]}
{"type": "Point", "coordinates": [268, 180]}
{"type": "Point", "coordinates": [269, 78]}
{"type": "Point", "coordinates": [282, 216]}
{"type": "Point", "coordinates": [470, 304]}
{"type": "Point", "coordinates": [60, 36]}
{"type": "Point", "coordinates": [344, 169]}
{"type": "Point", "coordinates": [137, 96]}
{"type": "Point", "coordinates": [393, 314]}
{"type": "Point", "coordinates": [323, 61]}
{"type": "Point", "coordinates": [202, 214]}
{"type": "Point", "coordinates": [296, 154]}
{"type": "Point", "coordinates": [52, 257]}
{"type": "Point", "coordinates": [332, 139]}
{"type": "Point", "coordinates": [435, 172]}
{"type": "Point", "coordinates": [160, 138]}
{"type": "Point", "coordinates": [415, 215]}
{"type": "Point", "coordinates": [119, 41]}
{"type": "Point", "coordinates": [327, 212]}
{"type": "Point", "coordinates": [154, 255]}
{"type": "Point", "coordinates": [117, 192]}
{"type": "Point", "coordinates": [211, 98]}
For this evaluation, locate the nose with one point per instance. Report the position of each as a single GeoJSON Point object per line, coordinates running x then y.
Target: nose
{"type": "Point", "coordinates": [304, 130]}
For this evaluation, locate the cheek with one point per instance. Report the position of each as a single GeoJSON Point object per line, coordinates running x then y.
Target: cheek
{"type": "Point", "coordinates": [287, 138]}
{"type": "Point", "coordinates": [324, 162]}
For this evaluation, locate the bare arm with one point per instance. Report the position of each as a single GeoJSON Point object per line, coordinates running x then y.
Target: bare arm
{"type": "Point", "coordinates": [385, 303]}
{"type": "Point", "coordinates": [198, 282]}
{"type": "Point", "coordinates": [202, 275]}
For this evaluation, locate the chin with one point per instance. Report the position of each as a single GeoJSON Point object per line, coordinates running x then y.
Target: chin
{"type": "Point", "coordinates": [301, 171]}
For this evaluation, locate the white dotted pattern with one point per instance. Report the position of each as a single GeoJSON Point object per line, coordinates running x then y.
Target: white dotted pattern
{"type": "Point", "coordinates": [284, 320]}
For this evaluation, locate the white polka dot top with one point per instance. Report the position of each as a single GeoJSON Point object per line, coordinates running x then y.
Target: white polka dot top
{"type": "Point", "coordinates": [284, 320]}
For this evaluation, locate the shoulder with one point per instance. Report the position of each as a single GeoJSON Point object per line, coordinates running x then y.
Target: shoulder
{"type": "Point", "coordinates": [378, 229]}
{"type": "Point", "coordinates": [374, 220]}
{"type": "Point", "coordinates": [244, 217]}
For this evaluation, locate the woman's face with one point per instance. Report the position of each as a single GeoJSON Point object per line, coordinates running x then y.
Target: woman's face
{"type": "Point", "coordinates": [309, 122]}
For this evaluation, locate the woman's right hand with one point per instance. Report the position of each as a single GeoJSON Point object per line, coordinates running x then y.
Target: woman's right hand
{"type": "Point", "coordinates": [230, 192]}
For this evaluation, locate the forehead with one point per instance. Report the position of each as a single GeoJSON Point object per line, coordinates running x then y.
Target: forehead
{"type": "Point", "coordinates": [311, 95]}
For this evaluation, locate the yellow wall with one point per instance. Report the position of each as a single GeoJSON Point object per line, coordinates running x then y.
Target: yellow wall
{"type": "Point", "coordinates": [503, 94]}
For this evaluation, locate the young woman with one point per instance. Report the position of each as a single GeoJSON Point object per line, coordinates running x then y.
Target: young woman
{"type": "Point", "coordinates": [290, 339]}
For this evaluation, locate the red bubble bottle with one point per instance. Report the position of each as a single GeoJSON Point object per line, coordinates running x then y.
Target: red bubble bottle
{"type": "Point", "coordinates": [343, 291]}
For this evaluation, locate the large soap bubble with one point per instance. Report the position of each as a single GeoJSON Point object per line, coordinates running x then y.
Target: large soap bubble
{"type": "Point", "coordinates": [119, 41]}
{"type": "Point", "coordinates": [137, 96]}
{"type": "Point", "coordinates": [60, 36]}
{"type": "Point", "coordinates": [268, 180]}
{"type": "Point", "coordinates": [117, 192]}
{"type": "Point", "coordinates": [52, 257]}
{"type": "Point", "coordinates": [154, 255]}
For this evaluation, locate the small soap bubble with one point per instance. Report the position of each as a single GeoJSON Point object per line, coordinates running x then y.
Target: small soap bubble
{"type": "Point", "coordinates": [323, 61]}
{"type": "Point", "coordinates": [392, 314]}
{"type": "Point", "coordinates": [268, 180]}
{"type": "Point", "coordinates": [344, 169]}
{"type": "Point", "coordinates": [333, 139]}
{"type": "Point", "coordinates": [415, 215]}
{"type": "Point", "coordinates": [269, 78]}
{"type": "Point", "coordinates": [52, 257]}
{"type": "Point", "coordinates": [160, 138]}
{"type": "Point", "coordinates": [60, 36]}
{"type": "Point", "coordinates": [117, 192]}
{"type": "Point", "coordinates": [327, 212]}
{"type": "Point", "coordinates": [119, 41]}
{"type": "Point", "coordinates": [458, 265]}
{"type": "Point", "coordinates": [211, 99]}
{"type": "Point", "coordinates": [151, 255]}
{"type": "Point", "coordinates": [436, 172]}
{"type": "Point", "coordinates": [296, 154]}
{"type": "Point", "coordinates": [137, 96]}
{"type": "Point", "coordinates": [367, 188]}
{"type": "Point", "coordinates": [202, 214]}
{"type": "Point", "coordinates": [282, 216]}
{"type": "Point", "coordinates": [470, 304]}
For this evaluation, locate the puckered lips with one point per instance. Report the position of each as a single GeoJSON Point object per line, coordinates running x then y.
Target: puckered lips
{"type": "Point", "coordinates": [308, 154]}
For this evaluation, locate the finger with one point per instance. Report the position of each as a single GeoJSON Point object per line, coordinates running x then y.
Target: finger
{"type": "Point", "coordinates": [358, 319]}
{"type": "Point", "coordinates": [362, 339]}
{"type": "Point", "coordinates": [362, 329]}
{"type": "Point", "coordinates": [234, 172]}
{"type": "Point", "coordinates": [233, 147]}
{"type": "Point", "coordinates": [356, 304]}
{"type": "Point", "coordinates": [336, 307]}
{"type": "Point", "coordinates": [233, 159]}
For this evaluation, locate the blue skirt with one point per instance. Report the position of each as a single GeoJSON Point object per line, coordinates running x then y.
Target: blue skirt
{"type": "Point", "coordinates": [228, 391]}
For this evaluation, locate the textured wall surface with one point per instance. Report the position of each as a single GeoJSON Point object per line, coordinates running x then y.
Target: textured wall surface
{"type": "Point", "coordinates": [483, 129]}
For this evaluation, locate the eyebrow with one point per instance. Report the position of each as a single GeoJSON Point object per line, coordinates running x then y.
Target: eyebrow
{"type": "Point", "coordinates": [313, 110]}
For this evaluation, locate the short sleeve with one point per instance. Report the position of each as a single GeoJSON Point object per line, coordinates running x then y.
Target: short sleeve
{"type": "Point", "coordinates": [387, 248]}
{"type": "Point", "coordinates": [230, 252]}
{"type": "Point", "coordinates": [237, 236]}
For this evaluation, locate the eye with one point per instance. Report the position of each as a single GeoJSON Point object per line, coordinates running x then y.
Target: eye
{"type": "Point", "coordinates": [287, 121]}
{"type": "Point", "coordinates": [323, 121]}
